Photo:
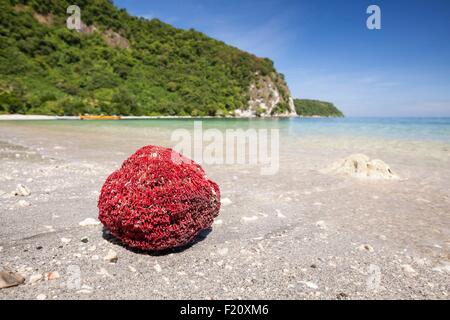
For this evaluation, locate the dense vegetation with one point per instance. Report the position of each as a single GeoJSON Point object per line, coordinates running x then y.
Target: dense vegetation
{"type": "Point", "coordinates": [309, 108]}
{"type": "Point", "coordinates": [47, 69]}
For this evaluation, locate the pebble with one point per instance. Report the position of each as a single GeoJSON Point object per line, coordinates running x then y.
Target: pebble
{"type": "Point", "coordinates": [225, 202]}
{"type": "Point", "coordinates": [309, 284]}
{"type": "Point", "coordinates": [53, 275]}
{"type": "Point", "coordinates": [35, 278]}
{"type": "Point", "coordinates": [65, 240]}
{"type": "Point", "coordinates": [252, 218]}
{"type": "Point", "coordinates": [84, 291]}
{"type": "Point", "coordinates": [111, 256]}
{"type": "Point", "coordinates": [223, 251]}
{"type": "Point", "coordinates": [318, 203]}
{"type": "Point", "coordinates": [132, 269]}
{"type": "Point", "coordinates": [408, 269]}
{"type": "Point", "coordinates": [22, 191]}
{"type": "Point", "coordinates": [41, 297]}
{"type": "Point", "coordinates": [157, 267]}
{"type": "Point", "coordinates": [85, 240]}
{"type": "Point", "coordinates": [23, 203]}
{"type": "Point", "coordinates": [10, 279]}
{"type": "Point", "coordinates": [279, 214]}
{"type": "Point", "coordinates": [321, 225]}
{"type": "Point", "coordinates": [366, 247]}
{"type": "Point", "coordinates": [89, 222]}
{"type": "Point", "coordinates": [443, 268]}
{"type": "Point", "coordinates": [50, 228]}
{"type": "Point", "coordinates": [104, 272]}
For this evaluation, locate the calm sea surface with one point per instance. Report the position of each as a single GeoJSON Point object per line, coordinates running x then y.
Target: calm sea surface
{"type": "Point", "coordinates": [416, 129]}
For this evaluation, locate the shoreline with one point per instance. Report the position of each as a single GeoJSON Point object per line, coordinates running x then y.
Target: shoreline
{"type": "Point", "coordinates": [14, 117]}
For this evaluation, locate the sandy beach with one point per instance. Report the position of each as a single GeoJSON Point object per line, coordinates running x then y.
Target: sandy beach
{"type": "Point", "coordinates": [299, 234]}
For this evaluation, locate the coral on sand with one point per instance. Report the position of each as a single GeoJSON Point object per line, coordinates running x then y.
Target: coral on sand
{"type": "Point", "coordinates": [158, 199]}
{"type": "Point", "coordinates": [360, 166]}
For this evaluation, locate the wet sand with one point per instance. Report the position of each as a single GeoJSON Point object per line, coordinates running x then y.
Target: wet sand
{"type": "Point", "coordinates": [299, 234]}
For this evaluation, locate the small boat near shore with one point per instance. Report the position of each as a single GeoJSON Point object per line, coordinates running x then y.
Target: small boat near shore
{"type": "Point", "coordinates": [100, 117]}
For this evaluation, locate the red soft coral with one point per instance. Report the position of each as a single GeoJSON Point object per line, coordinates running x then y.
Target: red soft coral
{"type": "Point", "coordinates": [157, 200]}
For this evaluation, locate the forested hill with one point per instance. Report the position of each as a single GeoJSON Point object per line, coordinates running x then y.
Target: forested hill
{"type": "Point", "coordinates": [120, 64]}
{"type": "Point", "coordinates": [311, 108]}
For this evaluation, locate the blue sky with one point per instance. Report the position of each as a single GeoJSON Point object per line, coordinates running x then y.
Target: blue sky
{"type": "Point", "coordinates": [326, 51]}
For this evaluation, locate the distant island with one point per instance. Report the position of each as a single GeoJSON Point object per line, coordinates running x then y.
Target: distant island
{"type": "Point", "coordinates": [312, 108]}
{"type": "Point", "coordinates": [117, 64]}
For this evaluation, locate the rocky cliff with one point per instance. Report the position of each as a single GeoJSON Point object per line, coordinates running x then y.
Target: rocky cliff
{"type": "Point", "coordinates": [269, 96]}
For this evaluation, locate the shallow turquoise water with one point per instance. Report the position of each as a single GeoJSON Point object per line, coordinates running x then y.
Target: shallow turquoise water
{"type": "Point", "coordinates": [417, 129]}
{"type": "Point", "coordinates": [434, 129]}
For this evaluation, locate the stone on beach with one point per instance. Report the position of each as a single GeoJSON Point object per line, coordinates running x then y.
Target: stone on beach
{"type": "Point", "coordinates": [321, 225]}
{"type": "Point", "coordinates": [248, 219]}
{"type": "Point", "coordinates": [35, 278]}
{"type": "Point", "coordinates": [23, 203]}
{"type": "Point", "coordinates": [360, 166]}
{"type": "Point", "coordinates": [89, 222]}
{"type": "Point", "coordinates": [225, 202]}
{"type": "Point", "coordinates": [10, 279]}
{"type": "Point", "coordinates": [157, 267]}
{"type": "Point", "coordinates": [53, 275]}
{"type": "Point", "coordinates": [366, 247]}
{"type": "Point", "coordinates": [309, 284]}
{"type": "Point", "coordinates": [111, 256]}
{"type": "Point", "coordinates": [22, 191]}
{"type": "Point", "coordinates": [408, 269]}
{"type": "Point", "coordinates": [279, 214]}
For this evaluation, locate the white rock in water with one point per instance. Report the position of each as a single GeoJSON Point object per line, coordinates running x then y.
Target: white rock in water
{"type": "Point", "coordinates": [22, 190]}
{"type": "Point", "coordinates": [89, 222]}
{"type": "Point", "coordinates": [360, 166]}
{"type": "Point", "coordinates": [225, 202]}
{"type": "Point", "coordinates": [111, 256]}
